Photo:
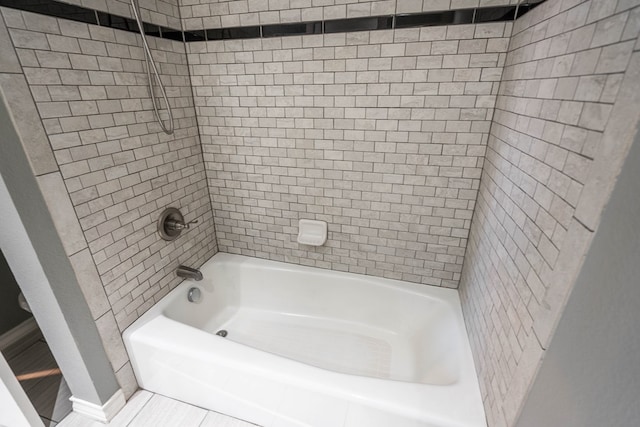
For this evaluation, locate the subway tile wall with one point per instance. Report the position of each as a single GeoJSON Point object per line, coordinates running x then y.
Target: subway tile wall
{"type": "Point", "coordinates": [117, 170]}
{"type": "Point", "coordinates": [566, 63]}
{"type": "Point", "coordinates": [165, 13]}
{"type": "Point", "coordinates": [381, 134]}
{"type": "Point", "coordinates": [198, 14]}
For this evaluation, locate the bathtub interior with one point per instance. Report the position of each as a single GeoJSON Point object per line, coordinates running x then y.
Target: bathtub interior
{"type": "Point", "coordinates": [350, 324]}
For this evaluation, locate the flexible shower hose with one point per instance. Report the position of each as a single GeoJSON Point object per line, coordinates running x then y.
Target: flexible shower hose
{"type": "Point", "coordinates": [151, 66]}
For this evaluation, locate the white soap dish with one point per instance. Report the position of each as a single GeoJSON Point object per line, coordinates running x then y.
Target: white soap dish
{"type": "Point", "coordinates": [313, 233]}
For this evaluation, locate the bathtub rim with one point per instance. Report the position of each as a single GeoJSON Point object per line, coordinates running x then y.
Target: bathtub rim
{"type": "Point", "coordinates": [467, 383]}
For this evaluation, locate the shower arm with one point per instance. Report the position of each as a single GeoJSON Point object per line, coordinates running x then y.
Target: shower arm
{"type": "Point", "coordinates": [151, 66]}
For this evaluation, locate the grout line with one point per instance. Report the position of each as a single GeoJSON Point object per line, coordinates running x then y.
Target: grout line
{"type": "Point", "coordinates": [141, 408]}
{"type": "Point", "coordinates": [583, 224]}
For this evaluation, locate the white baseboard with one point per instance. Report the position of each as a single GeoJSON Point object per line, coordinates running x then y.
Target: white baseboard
{"type": "Point", "coordinates": [14, 335]}
{"type": "Point", "coordinates": [104, 413]}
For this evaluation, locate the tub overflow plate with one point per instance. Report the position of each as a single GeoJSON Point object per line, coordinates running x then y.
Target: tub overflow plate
{"type": "Point", "coordinates": [221, 333]}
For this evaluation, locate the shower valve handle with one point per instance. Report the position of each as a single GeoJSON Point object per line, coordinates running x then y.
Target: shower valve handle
{"type": "Point", "coordinates": [174, 224]}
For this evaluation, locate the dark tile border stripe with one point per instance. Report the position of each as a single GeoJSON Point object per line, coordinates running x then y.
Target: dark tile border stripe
{"type": "Point", "coordinates": [296, 29]}
{"type": "Point", "coordinates": [72, 12]}
{"type": "Point", "coordinates": [358, 24]}
{"type": "Point", "coordinates": [526, 7]}
{"type": "Point", "coordinates": [495, 14]}
{"type": "Point", "coordinates": [451, 17]}
{"type": "Point", "coordinates": [171, 34]}
{"type": "Point", "coordinates": [194, 36]}
{"type": "Point", "coordinates": [233, 33]}
{"type": "Point", "coordinates": [54, 8]}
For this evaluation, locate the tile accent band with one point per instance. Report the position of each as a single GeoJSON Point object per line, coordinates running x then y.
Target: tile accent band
{"type": "Point", "coordinates": [72, 12]}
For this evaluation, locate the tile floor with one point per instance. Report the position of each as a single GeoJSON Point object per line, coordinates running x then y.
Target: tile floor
{"type": "Point", "coordinates": [38, 374]}
{"type": "Point", "coordinates": [146, 409]}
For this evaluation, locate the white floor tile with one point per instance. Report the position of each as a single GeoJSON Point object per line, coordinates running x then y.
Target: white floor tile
{"type": "Point", "coordinates": [146, 409]}
{"type": "Point", "coordinates": [161, 411]}
{"type": "Point", "coordinates": [214, 419]}
{"type": "Point", "coordinates": [77, 420]}
{"type": "Point", "coordinates": [132, 408]}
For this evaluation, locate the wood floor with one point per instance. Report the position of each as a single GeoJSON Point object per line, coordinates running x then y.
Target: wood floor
{"type": "Point", "coordinates": [38, 374]}
{"type": "Point", "coordinates": [146, 409]}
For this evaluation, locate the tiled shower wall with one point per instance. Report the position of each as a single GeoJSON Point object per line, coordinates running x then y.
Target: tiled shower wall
{"type": "Point", "coordinates": [563, 116]}
{"type": "Point", "coordinates": [118, 171]}
{"type": "Point", "coordinates": [381, 134]}
{"type": "Point", "coordinates": [159, 12]}
{"type": "Point", "coordinates": [199, 14]}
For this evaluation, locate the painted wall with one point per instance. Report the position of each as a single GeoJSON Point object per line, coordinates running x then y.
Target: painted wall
{"type": "Point", "coordinates": [565, 117]}
{"type": "Point", "coordinates": [11, 313]}
{"type": "Point", "coordinates": [589, 376]}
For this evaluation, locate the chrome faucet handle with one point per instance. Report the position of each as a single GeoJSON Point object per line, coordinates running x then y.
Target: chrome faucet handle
{"type": "Point", "coordinates": [174, 224]}
{"type": "Point", "coordinates": [188, 225]}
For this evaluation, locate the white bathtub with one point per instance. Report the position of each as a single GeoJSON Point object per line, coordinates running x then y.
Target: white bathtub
{"type": "Point", "coordinates": [310, 347]}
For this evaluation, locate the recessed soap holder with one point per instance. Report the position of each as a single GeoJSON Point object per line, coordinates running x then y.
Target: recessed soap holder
{"type": "Point", "coordinates": [313, 233]}
{"type": "Point", "coordinates": [171, 223]}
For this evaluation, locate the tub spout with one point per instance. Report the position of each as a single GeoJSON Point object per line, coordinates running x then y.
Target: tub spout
{"type": "Point", "coordinates": [189, 273]}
